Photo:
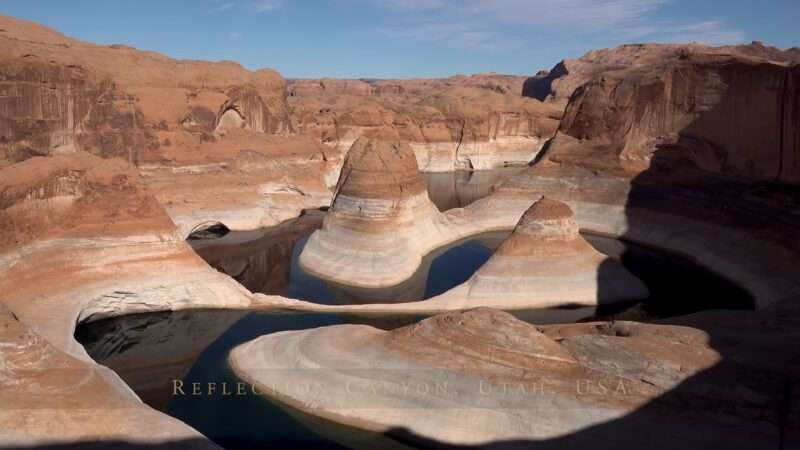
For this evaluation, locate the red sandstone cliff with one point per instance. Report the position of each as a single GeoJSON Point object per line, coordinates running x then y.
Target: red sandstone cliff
{"type": "Point", "coordinates": [59, 94]}
{"type": "Point", "coordinates": [729, 114]}
{"type": "Point", "coordinates": [476, 122]}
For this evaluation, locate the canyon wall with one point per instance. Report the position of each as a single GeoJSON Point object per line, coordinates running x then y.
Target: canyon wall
{"type": "Point", "coordinates": [729, 115]}
{"type": "Point", "coordinates": [557, 84]}
{"type": "Point", "coordinates": [476, 122]}
{"type": "Point", "coordinates": [213, 140]}
{"type": "Point", "coordinates": [59, 94]}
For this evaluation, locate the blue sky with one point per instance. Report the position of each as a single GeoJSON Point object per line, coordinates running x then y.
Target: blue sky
{"type": "Point", "coordinates": [407, 38]}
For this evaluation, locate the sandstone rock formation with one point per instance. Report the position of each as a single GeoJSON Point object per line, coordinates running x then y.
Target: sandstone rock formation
{"type": "Point", "coordinates": [85, 239]}
{"type": "Point", "coordinates": [477, 122]}
{"type": "Point", "coordinates": [558, 84]}
{"type": "Point", "coordinates": [644, 151]}
{"type": "Point", "coordinates": [203, 134]}
{"type": "Point", "coordinates": [483, 378]}
{"type": "Point", "coordinates": [260, 260]}
{"type": "Point", "coordinates": [381, 222]}
{"type": "Point", "coordinates": [546, 263]}
{"type": "Point", "coordinates": [639, 172]}
{"type": "Point", "coordinates": [111, 156]}
{"type": "Point", "coordinates": [49, 397]}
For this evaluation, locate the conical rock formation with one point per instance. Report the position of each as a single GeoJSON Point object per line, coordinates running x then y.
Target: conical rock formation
{"type": "Point", "coordinates": [547, 263]}
{"type": "Point", "coordinates": [381, 223]}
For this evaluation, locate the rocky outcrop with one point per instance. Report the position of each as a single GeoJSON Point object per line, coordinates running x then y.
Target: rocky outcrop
{"type": "Point", "coordinates": [558, 84]}
{"type": "Point", "coordinates": [191, 127]}
{"type": "Point", "coordinates": [477, 122]}
{"type": "Point", "coordinates": [685, 112]}
{"type": "Point", "coordinates": [546, 263]}
{"type": "Point", "coordinates": [610, 164]}
{"type": "Point", "coordinates": [483, 378]}
{"type": "Point", "coordinates": [52, 398]}
{"type": "Point", "coordinates": [85, 239]}
{"type": "Point", "coordinates": [61, 94]}
{"type": "Point", "coordinates": [381, 222]}
{"type": "Point", "coordinates": [645, 151]}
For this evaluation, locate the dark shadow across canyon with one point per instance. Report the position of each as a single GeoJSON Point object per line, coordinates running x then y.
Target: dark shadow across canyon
{"type": "Point", "coordinates": [749, 399]}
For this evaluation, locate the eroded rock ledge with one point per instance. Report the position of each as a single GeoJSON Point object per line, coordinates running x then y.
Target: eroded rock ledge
{"type": "Point", "coordinates": [86, 239]}
{"type": "Point", "coordinates": [483, 378]}
{"type": "Point", "coordinates": [458, 123]}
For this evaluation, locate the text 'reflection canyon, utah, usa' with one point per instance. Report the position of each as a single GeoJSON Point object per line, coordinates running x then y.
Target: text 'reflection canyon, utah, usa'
{"type": "Point", "coordinates": [195, 254]}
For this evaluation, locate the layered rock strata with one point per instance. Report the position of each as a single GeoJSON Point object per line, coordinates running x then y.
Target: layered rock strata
{"type": "Point", "coordinates": [684, 165]}
{"type": "Point", "coordinates": [645, 151]}
{"type": "Point", "coordinates": [558, 84]}
{"type": "Point", "coordinates": [484, 379]}
{"type": "Point", "coordinates": [381, 222]}
{"type": "Point", "coordinates": [545, 263]}
{"type": "Point", "coordinates": [50, 397]}
{"type": "Point", "coordinates": [458, 123]}
{"type": "Point", "coordinates": [210, 138]}
{"type": "Point", "coordinates": [85, 239]}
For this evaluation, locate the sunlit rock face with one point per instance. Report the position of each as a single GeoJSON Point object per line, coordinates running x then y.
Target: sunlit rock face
{"type": "Point", "coordinates": [85, 239]}
{"type": "Point", "coordinates": [381, 222]}
{"type": "Point", "coordinates": [546, 263]}
{"type": "Point", "coordinates": [45, 388]}
{"type": "Point", "coordinates": [213, 140]}
{"type": "Point", "coordinates": [457, 123]}
{"type": "Point", "coordinates": [558, 84]}
{"type": "Point", "coordinates": [700, 96]}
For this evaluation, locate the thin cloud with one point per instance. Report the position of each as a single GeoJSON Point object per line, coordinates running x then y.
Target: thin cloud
{"type": "Point", "coordinates": [711, 32]}
{"type": "Point", "coordinates": [235, 35]}
{"type": "Point", "coordinates": [457, 35]}
{"type": "Point", "coordinates": [267, 5]}
{"type": "Point", "coordinates": [257, 5]}
{"type": "Point", "coordinates": [225, 6]}
{"type": "Point", "coordinates": [499, 24]}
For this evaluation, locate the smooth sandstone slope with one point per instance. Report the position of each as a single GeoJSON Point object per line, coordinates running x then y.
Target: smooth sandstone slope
{"type": "Point", "coordinates": [458, 123]}
{"type": "Point", "coordinates": [545, 263]}
{"type": "Point", "coordinates": [85, 239]}
{"type": "Point", "coordinates": [49, 397]}
{"type": "Point", "coordinates": [382, 223]}
{"type": "Point", "coordinates": [484, 379]}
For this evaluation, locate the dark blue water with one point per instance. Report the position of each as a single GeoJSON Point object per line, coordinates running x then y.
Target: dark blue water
{"type": "Point", "coordinates": [451, 266]}
{"type": "Point", "coordinates": [245, 421]}
{"type": "Point", "coordinates": [151, 351]}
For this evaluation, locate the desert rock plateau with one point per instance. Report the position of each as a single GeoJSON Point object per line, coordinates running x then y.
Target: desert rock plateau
{"type": "Point", "coordinates": [125, 175]}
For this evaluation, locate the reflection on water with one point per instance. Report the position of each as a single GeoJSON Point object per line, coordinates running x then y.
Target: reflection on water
{"type": "Point", "coordinates": [268, 263]}
{"type": "Point", "coordinates": [151, 351]}
{"type": "Point", "coordinates": [677, 285]}
{"type": "Point", "coordinates": [448, 190]}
